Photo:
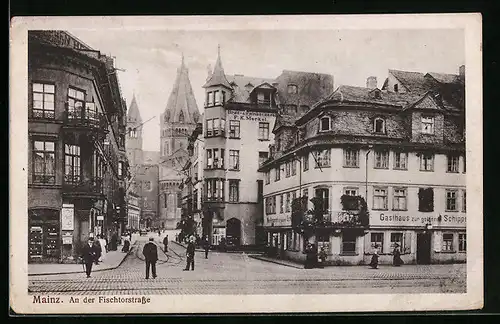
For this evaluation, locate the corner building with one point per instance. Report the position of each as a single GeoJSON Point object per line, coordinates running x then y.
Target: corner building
{"type": "Point", "coordinates": [77, 161]}
{"type": "Point", "coordinates": [238, 119]}
{"type": "Point", "coordinates": [401, 148]}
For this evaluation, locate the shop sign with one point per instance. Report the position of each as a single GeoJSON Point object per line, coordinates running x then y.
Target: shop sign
{"type": "Point", "coordinates": [67, 217]}
{"type": "Point", "coordinates": [396, 219]}
{"type": "Point", "coordinates": [100, 217]}
{"type": "Point", "coordinates": [67, 238]}
{"type": "Point", "coordinates": [249, 115]}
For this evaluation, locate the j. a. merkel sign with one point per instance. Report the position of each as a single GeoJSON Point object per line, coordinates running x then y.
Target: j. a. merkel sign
{"type": "Point", "coordinates": [393, 219]}
{"type": "Point", "coordinates": [249, 115]}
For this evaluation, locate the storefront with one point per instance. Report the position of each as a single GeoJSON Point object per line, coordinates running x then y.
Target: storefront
{"type": "Point", "coordinates": [430, 239]}
{"type": "Point", "coordinates": [44, 235]}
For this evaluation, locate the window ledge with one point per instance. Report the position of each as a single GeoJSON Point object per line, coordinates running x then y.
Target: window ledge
{"type": "Point", "coordinates": [426, 170]}
{"type": "Point", "coordinates": [264, 140]}
{"type": "Point", "coordinates": [351, 167]}
{"type": "Point", "coordinates": [456, 172]}
{"type": "Point", "coordinates": [349, 254]}
{"type": "Point", "coordinates": [446, 252]}
{"type": "Point", "coordinates": [399, 209]}
{"type": "Point", "coordinates": [400, 169]}
{"type": "Point", "coordinates": [322, 167]}
{"type": "Point", "coordinates": [381, 209]}
{"type": "Point", "coordinates": [233, 169]}
{"type": "Point", "coordinates": [451, 211]}
{"type": "Point", "coordinates": [381, 168]}
{"type": "Point", "coordinates": [232, 137]}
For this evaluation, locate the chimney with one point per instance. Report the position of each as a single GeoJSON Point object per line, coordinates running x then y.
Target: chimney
{"type": "Point", "coordinates": [371, 82]}
{"type": "Point", "coordinates": [209, 72]}
{"type": "Point", "coordinates": [461, 72]}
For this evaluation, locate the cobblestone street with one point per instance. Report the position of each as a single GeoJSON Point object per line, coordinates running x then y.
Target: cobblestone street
{"type": "Point", "coordinates": [231, 273]}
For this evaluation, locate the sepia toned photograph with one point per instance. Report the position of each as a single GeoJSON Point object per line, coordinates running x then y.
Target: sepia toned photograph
{"type": "Point", "coordinates": [208, 161]}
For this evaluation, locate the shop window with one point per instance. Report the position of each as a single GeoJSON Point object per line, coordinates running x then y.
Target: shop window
{"type": "Point", "coordinates": [44, 238]}
{"type": "Point", "coordinates": [397, 238]}
{"type": "Point", "coordinates": [348, 243]}
{"type": "Point", "coordinates": [462, 242]}
{"type": "Point", "coordinates": [400, 161]}
{"type": "Point", "coordinates": [43, 100]}
{"type": "Point", "coordinates": [447, 242]}
{"type": "Point", "coordinates": [377, 241]}
{"type": "Point", "coordinates": [324, 242]}
{"type": "Point", "coordinates": [44, 162]}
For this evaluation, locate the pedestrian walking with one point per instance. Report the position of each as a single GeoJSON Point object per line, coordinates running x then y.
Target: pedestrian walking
{"type": "Point", "coordinates": [190, 255]}
{"type": "Point", "coordinates": [104, 248]}
{"type": "Point", "coordinates": [89, 255]}
{"type": "Point", "coordinates": [322, 257]}
{"type": "Point", "coordinates": [126, 246]}
{"type": "Point", "coordinates": [165, 243]}
{"type": "Point", "coordinates": [206, 246]}
{"type": "Point", "coordinates": [150, 252]}
{"type": "Point", "coordinates": [396, 260]}
{"type": "Point", "coordinates": [374, 260]}
{"type": "Point", "coordinates": [98, 248]}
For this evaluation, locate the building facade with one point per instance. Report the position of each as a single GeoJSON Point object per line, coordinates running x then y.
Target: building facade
{"type": "Point", "coordinates": [178, 121]}
{"type": "Point", "coordinates": [78, 165]}
{"type": "Point", "coordinates": [134, 212]}
{"type": "Point", "coordinates": [238, 119]}
{"type": "Point", "coordinates": [388, 168]}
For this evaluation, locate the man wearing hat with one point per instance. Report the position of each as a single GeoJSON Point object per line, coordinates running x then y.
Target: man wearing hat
{"type": "Point", "coordinates": [150, 252]}
{"type": "Point", "coordinates": [89, 255]}
{"type": "Point", "coordinates": [190, 254]}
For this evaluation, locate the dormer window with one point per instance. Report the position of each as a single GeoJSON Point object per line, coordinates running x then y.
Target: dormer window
{"type": "Point", "coordinates": [324, 124]}
{"type": "Point", "coordinates": [379, 126]}
{"type": "Point", "coordinates": [292, 89]}
{"type": "Point", "coordinates": [427, 125]}
{"type": "Point", "coordinates": [181, 117]}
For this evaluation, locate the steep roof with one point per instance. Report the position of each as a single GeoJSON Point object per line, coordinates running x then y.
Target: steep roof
{"type": "Point", "coordinates": [412, 81]}
{"type": "Point", "coordinates": [134, 115]}
{"type": "Point", "coordinates": [284, 120]}
{"type": "Point", "coordinates": [218, 76]}
{"type": "Point", "coordinates": [367, 95]}
{"type": "Point", "coordinates": [242, 86]}
{"type": "Point", "coordinates": [445, 78]}
{"type": "Point", "coordinates": [181, 101]}
{"type": "Point", "coordinates": [311, 87]}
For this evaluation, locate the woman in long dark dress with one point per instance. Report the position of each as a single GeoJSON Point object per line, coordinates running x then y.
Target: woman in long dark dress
{"type": "Point", "coordinates": [374, 261]}
{"type": "Point", "coordinates": [396, 260]}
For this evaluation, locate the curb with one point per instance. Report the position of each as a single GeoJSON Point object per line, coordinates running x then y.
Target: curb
{"type": "Point", "coordinates": [240, 252]}
{"type": "Point", "coordinates": [275, 262]}
{"type": "Point", "coordinates": [96, 270]}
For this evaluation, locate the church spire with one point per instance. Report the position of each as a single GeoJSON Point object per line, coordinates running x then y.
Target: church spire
{"type": "Point", "coordinates": [218, 76]}
{"type": "Point", "coordinates": [181, 105]}
{"type": "Point", "coordinates": [133, 113]}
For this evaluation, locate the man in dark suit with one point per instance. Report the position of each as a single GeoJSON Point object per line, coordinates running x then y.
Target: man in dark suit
{"type": "Point", "coordinates": [190, 254]}
{"type": "Point", "coordinates": [89, 255]}
{"type": "Point", "coordinates": [150, 252]}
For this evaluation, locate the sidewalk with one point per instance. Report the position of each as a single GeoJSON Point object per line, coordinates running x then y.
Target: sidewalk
{"type": "Point", "coordinates": [287, 263]}
{"type": "Point", "coordinates": [112, 261]}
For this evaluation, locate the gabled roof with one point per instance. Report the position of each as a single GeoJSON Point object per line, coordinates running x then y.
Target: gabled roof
{"type": "Point", "coordinates": [182, 100]}
{"type": "Point", "coordinates": [218, 76]}
{"type": "Point", "coordinates": [429, 101]}
{"type": "Point", "coordinates": [312, 87]}
{"type": "Point", "coordinates": [366, 95]}
{"type": "Point", "coordinates": [241, 92]}
{"type": "Point", "coordinates": [445, 78]}
{"type": "Point", "coordinates": [134, 115]}
{"type": "Point", "coordinates": [412, 81]}
{"type": "Point", "coordinates": [284, 120]}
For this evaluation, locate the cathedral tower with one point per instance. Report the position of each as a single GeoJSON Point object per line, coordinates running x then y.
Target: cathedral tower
{"type": "Point", "coordinates": [177, 122]}
{"type": "Point", "coordinates": [134, 134]}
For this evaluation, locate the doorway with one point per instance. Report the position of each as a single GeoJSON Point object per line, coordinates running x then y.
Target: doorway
{"type": "Point", "coordinates": [233, 231]}
{"type": "Point", "coordinates": [423, 248]}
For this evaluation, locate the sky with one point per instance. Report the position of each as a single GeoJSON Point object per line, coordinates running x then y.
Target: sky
{"type": "Point", "coordinates": [150, 58]}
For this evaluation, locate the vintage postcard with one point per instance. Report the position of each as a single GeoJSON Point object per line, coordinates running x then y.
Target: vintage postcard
{"type": "Point", "coordinates": [256, 164]}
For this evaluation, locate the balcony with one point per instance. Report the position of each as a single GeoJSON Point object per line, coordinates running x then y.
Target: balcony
{"type": "Point", "coordinates": [77, 187]}
{"type": "Point", "coordinates": [336, 219]}
{"type": "Point", "coordinates": [85, 119]}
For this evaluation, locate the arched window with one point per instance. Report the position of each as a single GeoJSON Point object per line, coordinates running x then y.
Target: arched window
{"type": "Point", "coordinates": [181, 117]}
{"type": "Point", "coordinates": [379, 126]}
{"type": "Point", "coordinates": [324, 124]}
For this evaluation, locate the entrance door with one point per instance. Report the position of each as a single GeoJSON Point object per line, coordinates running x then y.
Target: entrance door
{"type": "Point", "coordinates": [423, 248]}
{"type": "Point", "coordinates": [233, 231]}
